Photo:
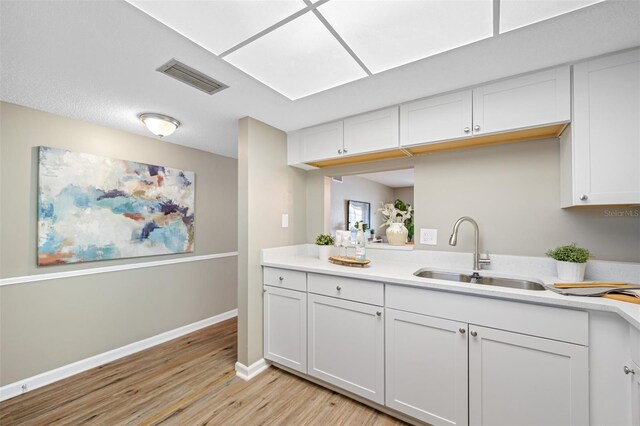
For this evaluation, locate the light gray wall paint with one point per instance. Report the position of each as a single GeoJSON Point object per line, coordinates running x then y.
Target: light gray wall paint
{"type": "Point", "coordinates": [267, 189]}
{"type": "Point", "coordinates": [405, 194]}
{"type": "Point", "coordinates": [358, 189]}
{"type": "Point", "coordinates": [49, 324]}
{"type": "Point", "coordinates": [512, 190]}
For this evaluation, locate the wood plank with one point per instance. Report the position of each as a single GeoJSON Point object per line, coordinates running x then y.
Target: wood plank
{"type": "Point", "coordinates": [189, 380]}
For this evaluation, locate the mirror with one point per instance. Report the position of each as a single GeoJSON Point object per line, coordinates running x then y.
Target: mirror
{"type": "Point", "coordinates": [358, 211]}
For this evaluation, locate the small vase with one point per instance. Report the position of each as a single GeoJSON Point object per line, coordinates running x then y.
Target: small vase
{"type": "Point", "coordinates": [571, 271]}
{"type": "Point", "coordinates": [324, 252]}
{"type": "Point", "coordinates": [397, 234]}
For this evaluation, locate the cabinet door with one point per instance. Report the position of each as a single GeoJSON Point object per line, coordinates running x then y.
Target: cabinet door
{"type": "Point", "coordinates": [371, 132]}
{"type": "Point", "coordinates": [606, 130]}
{"type": "Point", "coordinates": [285, 327]}
{"type": "Point", "coordinates": [515, 379]}
{"type": "Point", "coordinates": [346, 345]}
{"type": "Point", "coordinates": [635, 395]}
{"type": "Point", "coordinates": [436, 119]}
{"type": "Point", "coordinates": [533, 100]}
{"type": "Point", "coordinates": [426, 367]}
{"type": "Point", "coordinates": [317, 143]}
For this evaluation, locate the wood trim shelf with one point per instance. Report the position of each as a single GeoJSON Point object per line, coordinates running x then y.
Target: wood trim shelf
{"type": "Point", "coordinates": [545, 132]}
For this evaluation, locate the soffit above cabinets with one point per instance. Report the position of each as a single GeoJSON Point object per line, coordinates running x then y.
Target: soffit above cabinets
{"type": "Point", "coordinates": [302, 47]}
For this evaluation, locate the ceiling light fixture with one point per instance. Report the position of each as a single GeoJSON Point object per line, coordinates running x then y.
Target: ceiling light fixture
{"type": "Point", "coordinates": [159, 124]}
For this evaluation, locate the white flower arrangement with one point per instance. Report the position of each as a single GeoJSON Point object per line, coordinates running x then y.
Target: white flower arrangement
{"type": "Point", "coordinates": [393, 215]}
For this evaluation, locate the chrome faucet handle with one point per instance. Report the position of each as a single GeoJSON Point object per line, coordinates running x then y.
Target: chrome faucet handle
{"type": "Point", "coordinates": [484, 258]}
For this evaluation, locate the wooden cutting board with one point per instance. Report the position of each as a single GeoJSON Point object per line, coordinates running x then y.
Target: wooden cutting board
{"type": "Point", "coordinates": [622, 298]}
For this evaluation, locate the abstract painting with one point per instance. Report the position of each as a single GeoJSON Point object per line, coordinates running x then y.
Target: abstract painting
{"type": "Point", "coordinates": [96, 208]}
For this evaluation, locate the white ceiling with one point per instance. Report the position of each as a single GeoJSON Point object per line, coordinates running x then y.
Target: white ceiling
{"type": "Point", "coordinates": [96, 61]}
{"type": "Point", "coordinates": [392, 178]}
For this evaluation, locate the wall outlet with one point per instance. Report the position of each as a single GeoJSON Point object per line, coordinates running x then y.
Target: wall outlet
{"type": "Point", "coordinates": [429, 236]}
{"type": "Point", "coordinates": [285, 220]}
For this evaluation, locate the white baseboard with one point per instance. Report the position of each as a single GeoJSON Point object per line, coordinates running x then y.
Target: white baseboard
{"type": "Point", "coordinates": [248, 373]}
{"type": "Point", "coordinates": [48, 377]}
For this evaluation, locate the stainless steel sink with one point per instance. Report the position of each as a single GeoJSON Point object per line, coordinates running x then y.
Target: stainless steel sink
{"type": "Point", "coordinates": [484, 280]}
{"type": "Point", "coordinates": [442, 275]}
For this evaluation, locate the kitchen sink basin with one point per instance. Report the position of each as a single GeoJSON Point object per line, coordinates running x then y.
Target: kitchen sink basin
{"type": "Point", "coordinates": [484, 280]}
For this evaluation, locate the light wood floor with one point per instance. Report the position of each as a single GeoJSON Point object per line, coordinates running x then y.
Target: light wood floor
{"type": "Point", "coordinates": [187, 381]}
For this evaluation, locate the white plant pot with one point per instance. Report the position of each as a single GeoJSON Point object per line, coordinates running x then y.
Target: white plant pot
{"type": "Point", "coordinates": [324, 252]}
{"type": "Point", "coordinates": [397, 234]}
{"type": "Point", "coordinates": [571, 271]}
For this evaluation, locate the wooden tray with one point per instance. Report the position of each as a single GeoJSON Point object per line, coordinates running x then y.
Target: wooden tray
{"type": "Point", "coordinates": [348, 261]}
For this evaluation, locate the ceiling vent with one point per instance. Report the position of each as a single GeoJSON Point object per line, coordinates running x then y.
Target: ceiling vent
{"type": "Point", "coordinates": [193, 78]}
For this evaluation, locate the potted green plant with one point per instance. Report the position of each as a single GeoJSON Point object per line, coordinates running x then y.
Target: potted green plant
{"type": "Point", "coordinates": [571, 261]}
{"type": "Point", "coordinates": [324, 243]}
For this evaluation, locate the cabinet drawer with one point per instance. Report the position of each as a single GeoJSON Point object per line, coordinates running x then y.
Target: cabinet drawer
{"type": "Point", "coordinates": [536, 320]}
{"type": "Point", "coordinates": [294, 280]}
{"type": "Point", "coordinates": [347, 288]}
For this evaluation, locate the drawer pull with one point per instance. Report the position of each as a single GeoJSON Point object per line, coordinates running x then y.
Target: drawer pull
{"type": "Point", "coordinates": [628, 370]}
{"type": "Point", "coordinates": [474, 333]}
{"type": "Point", "coordinates": [281, 279]}
{"type": "Point", "coordinates": [462, 330]}
{"type": "Point", "coordinates": [379, 313]}
{"type": "Point", "coordinates": [338, 288]}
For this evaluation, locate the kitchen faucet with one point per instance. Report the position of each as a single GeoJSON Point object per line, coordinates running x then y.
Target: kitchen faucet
{"type": "Point", "coordinates": [478, 260]}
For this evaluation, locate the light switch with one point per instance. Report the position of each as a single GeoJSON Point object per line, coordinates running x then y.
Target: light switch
{"type": "Point", "coordinates": [429, 236]}
{"type": "Point", "coordinates": [285, 220]}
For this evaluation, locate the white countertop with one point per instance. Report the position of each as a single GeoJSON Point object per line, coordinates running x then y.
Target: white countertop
{"type": "Point", "coordinates": [398, 268]}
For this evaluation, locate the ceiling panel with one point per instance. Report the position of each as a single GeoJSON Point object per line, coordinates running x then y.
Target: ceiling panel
{"type": "Point", "coordinates": [219, 25]}
{"type": "Point", "coordinates": [389, 33]}
{"type": "Point", "coordinates": [520, 13]}
{"type": "Point", "coordinates": [298, 59]}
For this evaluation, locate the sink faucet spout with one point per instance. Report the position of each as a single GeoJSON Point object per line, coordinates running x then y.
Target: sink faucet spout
{"type": "Point", "coordinates": [478, 260]}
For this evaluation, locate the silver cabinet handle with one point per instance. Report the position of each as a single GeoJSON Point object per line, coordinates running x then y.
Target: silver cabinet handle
{"type": "Point", "coordinates": [338, 288]}
{"type": "Point", "coordinates": [584, 197]}
{"type": "Point", "coordinates": [345, 150]}
{"type": "Point", "coordinates": [264, 290]}
{"type": "Point", "coordinates": [476, 127]}
{"type": "Point", "coordinates": [467, 130]}
{"type": "Point", "coordinates": [628, 370]}
{"type": "Point", "coordinates": [339, 151]}
{"type": "Point", "coordinates": [462, 330]}
{"type": "Point", "coordinates": [281, 279]}
{"type": "Point", "coordinates": [378, 313]}
{"type": "Point", "coordinates": [474, 333]}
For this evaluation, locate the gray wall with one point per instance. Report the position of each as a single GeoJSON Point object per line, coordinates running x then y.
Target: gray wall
{"type": "Point", "coordinates": [48, 324]}
{"type": "Point", "coordinates": [267, 188]}
{"type": "Point", "coordinates": [512, 190]}
{"type": "Point", "coordinates": [405, 194]}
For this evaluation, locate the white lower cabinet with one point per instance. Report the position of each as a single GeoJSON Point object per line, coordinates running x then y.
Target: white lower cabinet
{"type": "Point", "coordinates": [426, 367]}
{"type": "Point", "coordinates": [635, 394]}
{"type": "Point", "coordinates": [346, 345]}
{"type": "Point", "coordinates": [285, 331]}
{"type": "Point", "coordinates": [515, 379]}
{"type": "Point", "coordinates": [511, 378]}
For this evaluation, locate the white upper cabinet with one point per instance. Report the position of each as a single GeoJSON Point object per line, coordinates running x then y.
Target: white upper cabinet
{"type": "Point", "coordinates": [316, 143]}
{"type": "Point", "coordinates": [372, 132]}
{"type": "Point", "coordinates": [533, 100]}
{"type": "Point", "coordinates": [436, 119]}
{"type": "Point", "coordinates": [375, 131]}
{"type": "Point", "coordinates": [600, 157]}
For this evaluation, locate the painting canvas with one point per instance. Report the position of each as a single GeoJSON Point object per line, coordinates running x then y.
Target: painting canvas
{"type": "Point", "coordinates": [96, 208]}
